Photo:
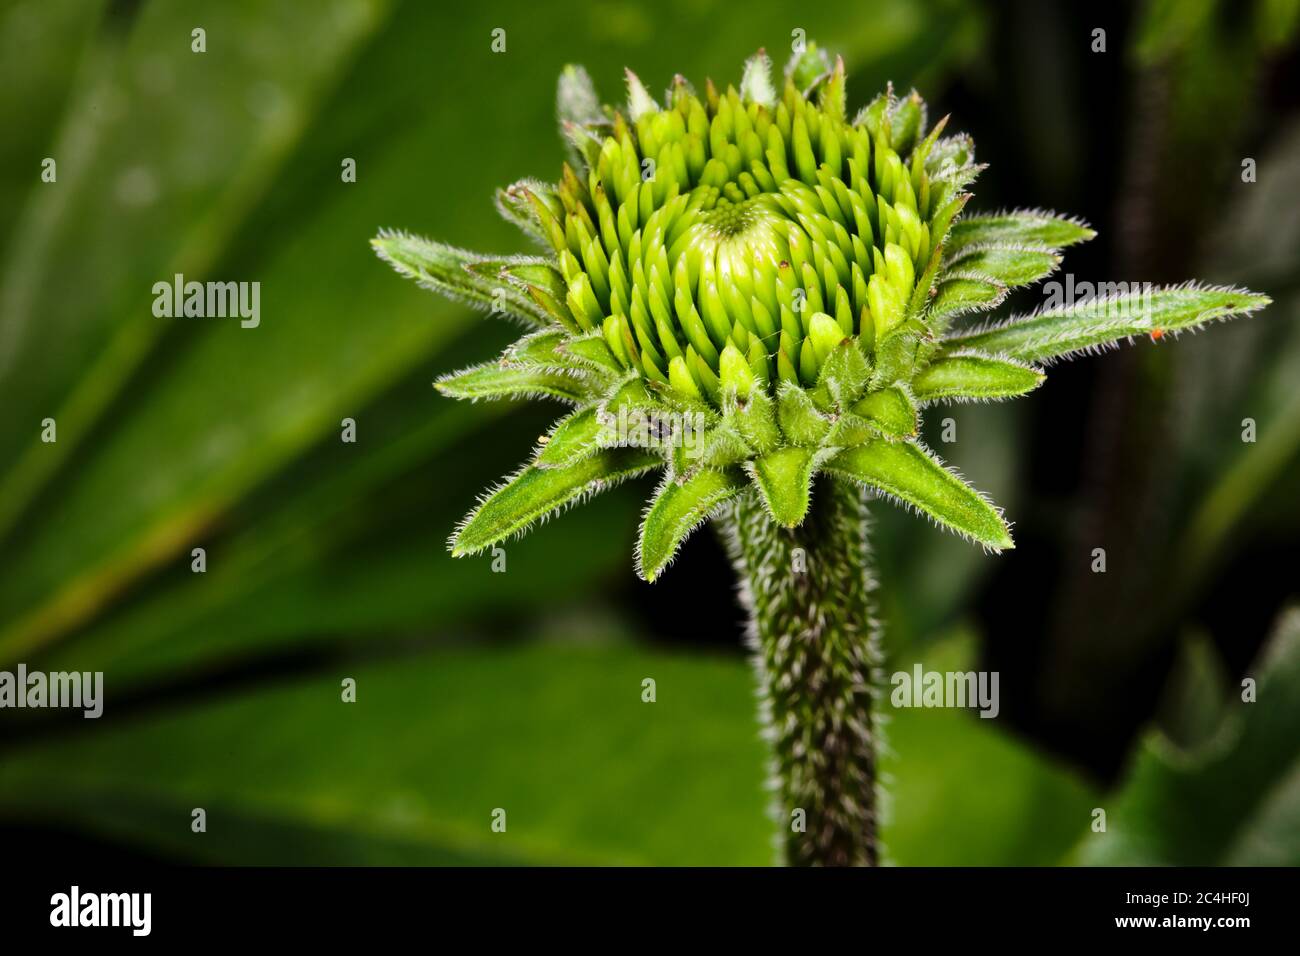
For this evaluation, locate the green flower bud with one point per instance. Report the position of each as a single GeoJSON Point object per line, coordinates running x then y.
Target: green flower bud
{"type": "Point", "coordinates": [754, 209]}
{"type": "Point", "coordinates": [788, 273]}
{"type": "Point", "coordinates": [758, 291]}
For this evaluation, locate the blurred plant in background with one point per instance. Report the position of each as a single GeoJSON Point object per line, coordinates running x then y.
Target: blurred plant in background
{"type": "Point", "coordinates": [325, 558]}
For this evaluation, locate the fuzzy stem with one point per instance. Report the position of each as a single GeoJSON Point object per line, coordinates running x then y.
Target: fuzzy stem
{"type": "Point", "coordinates": [807, 591]}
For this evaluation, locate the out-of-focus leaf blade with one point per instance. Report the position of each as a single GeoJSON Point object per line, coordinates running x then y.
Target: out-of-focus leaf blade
{"type": "Point", "coordinates": [44, 46]}
{"type": "Point", "coordinates": [1027, 809]}
{"type": "Point", "coordinates": [413, 771]}
{"type": "Point", "coordinates": [1234, 799]}
{"type": "Point", "coordinates": [291, 774]}
{"type": "Point", "coordinates": [348, 549]}
{"type": "Point", "coordinates": [171, 149]}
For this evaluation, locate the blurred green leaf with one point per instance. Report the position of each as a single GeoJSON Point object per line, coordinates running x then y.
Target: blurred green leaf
{"type": "Point", "coordinates": [1244, 388]}
{"type": "Point", "coordinates": [556, 734]}
{"type": "Point", "coordinates": [350, 586]}
{"type": "Point", "coordinates": [962, 793]}
{"type": "Point", "coordinates": [1234, 799]}
{"type": "Point", "coordinates": [349, 544]}
{"type": "Point", "coordinates": [172, 149]}
{"type": "Point", "coordinates": [1166, 26]}
{"type": "Point", "coordinates": [1195, 697]}
{"type": "Point", "coordinates": [43, 44]}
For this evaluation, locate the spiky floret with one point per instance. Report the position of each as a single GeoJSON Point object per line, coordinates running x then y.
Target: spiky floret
{"type": "Point", "coordinates": [748, 289]}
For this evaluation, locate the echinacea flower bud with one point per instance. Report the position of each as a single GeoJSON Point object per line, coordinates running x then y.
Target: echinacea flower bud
{"type": "Point", "coordinates": [752, 292]}
{"type": "Point", "coordinates": [784, 274]}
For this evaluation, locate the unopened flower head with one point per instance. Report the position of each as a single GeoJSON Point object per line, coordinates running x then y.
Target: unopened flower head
{"type": "Point", "coordinates": [791, 275]}
{"type": "Point", "coordinates": [731, 241]}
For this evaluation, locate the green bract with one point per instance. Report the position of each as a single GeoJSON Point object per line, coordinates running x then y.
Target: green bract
{"type": "Point", "coordinates": [747, 289]}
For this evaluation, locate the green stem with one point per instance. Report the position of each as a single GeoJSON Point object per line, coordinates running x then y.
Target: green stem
{"type": "Point", "coordinates": [807, 591]}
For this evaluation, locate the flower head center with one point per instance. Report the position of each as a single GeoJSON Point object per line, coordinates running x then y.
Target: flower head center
{"type": "Point", "coordinates": [728, 220]}
{"type": "Point", "coordinates": [741, 238]}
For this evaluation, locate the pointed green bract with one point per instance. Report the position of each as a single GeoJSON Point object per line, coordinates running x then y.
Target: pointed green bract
{"type": "Point", "coordinates": [575, 97]}
{"type": "Point", "coordinates": [631, 397]}
{"type": "Point", "coordinates": [538, 348]}
{"type": "Point", "coordinates": [678, 509]}
{"type": "Point", "coordinates": [535, 493]}
{"type": "Point", "coordinates": [851, 429]}
{"type": "Point", "coordinates": [1027, 229]}
{"type": "Point", "coordinates": [573, 438]}
{"type": "Point", "coordinates": [807, 66]}
{"type": "Point", "coordinates": [801, 422]}
{"type": "Point", "coordinates": [556, 310]}
{"type": "Point", "coordinates": [448, 270]}
{"type": "Point", "coordinates": [960, 294]}
{"type": "Point", "coordinates": [784, 479]}
{"type": "Point", "coordinates": [722, 447]}
{"type": "Point", "coordinates": [513, 205]}
{"type": "Point", "coordinates": [896, 355]}
{"type": "Point", "coordinates": [593, 351]}
{"type": "Point", "coordinates": [552, 349]}
{"type": "Point", "coordinates": [525, 272]}
{"type": "Point", "coordinates": [1012, 266]}
{"type": "Point", "coordinates": [890, 411]}
{"type": "Point", "coordinates": [845, 374]}
{"type": "Point", "coordinates": [1066, 330]}
{"type": "Point", "coordinates": [974, 376]}
{"type": "Point", "coordinates": [756, 423]}
{"type": "Point", "coordinates": [908, 122]}
{"type": "Point", "coordinates": [745, 282]}
{"type": "Point", "coordinates": [756, 81]}
{"type": "Point", "coordinates": [494, 380]}
{"type": "Point", "coordinates": [905, 471]}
